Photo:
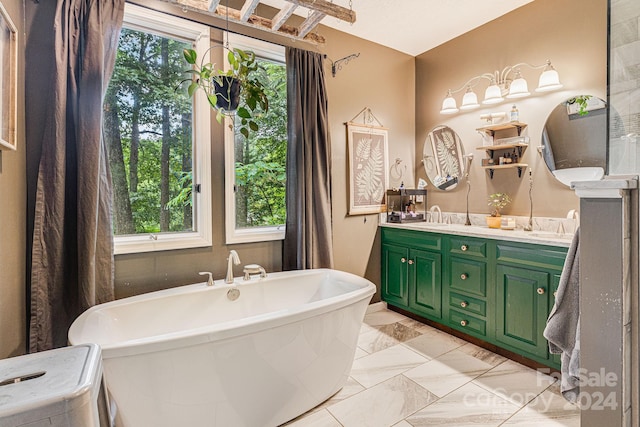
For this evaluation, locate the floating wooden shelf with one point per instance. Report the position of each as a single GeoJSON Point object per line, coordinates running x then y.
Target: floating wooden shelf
{"type": "Point", "coordinates": [519, 166]}
{"type": "Point", "coordinates": [492, 129]}
{"type": "Point", "coordinates": [520, 147]}
{"type": "Point", "coordinates": [502, 147]}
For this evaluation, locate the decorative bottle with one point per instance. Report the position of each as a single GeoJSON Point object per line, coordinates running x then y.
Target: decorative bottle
{"type": "Point", "coordinates": [514, 114]}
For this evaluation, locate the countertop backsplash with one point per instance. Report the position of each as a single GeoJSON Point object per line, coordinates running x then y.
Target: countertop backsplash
{"type": "Point", "coordinates": [554, 231]}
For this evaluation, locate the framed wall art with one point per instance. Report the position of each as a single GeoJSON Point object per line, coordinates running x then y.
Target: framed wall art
{"type": "Point", "coordinates": [368, 166]}
{"type": "Point", "coordinates": [8, 82]}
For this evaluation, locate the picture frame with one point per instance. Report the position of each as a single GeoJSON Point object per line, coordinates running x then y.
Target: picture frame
{"type": "Point", "coordinates": [368, 166]}
{"type": "Point", "coordinates": [8, 80]}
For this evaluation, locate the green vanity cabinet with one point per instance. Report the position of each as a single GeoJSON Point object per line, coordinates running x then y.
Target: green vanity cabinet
{"type": "Point", "coordinates": [425, 278]}
{"type": "Point", "coordinates": [395, 275]}
{"type": "Point", "coordinates": [465, 287]}
{"type": "Point", "coordinates": [412, 272]}
{"type": "Point", "coordinates": [498, 291]}
{"type": "Point", "coordinates": [555, 282]}
{"type": "Point", "coordinates": [522, 308]}
{"type": "Point", "coordinates": [526, 279]}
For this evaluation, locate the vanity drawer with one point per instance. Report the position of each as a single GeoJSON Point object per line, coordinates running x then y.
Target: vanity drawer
{"type": "Point", "coordinates": [465, 322]}
{"type": "Point", "coordinates": [468, 246]}
{"type": "Point", "coordinates": [468, 304]}
{"type": "Point", "coordinates": [412, 238]}
{"type": "Point", "coordinates": [468, 276]}
{"type": "Point", "coordinates": [531, 255]}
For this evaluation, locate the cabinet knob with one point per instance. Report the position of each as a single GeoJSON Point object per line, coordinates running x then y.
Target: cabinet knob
{"type": "Point", "coordinates": [463, 323]}
{"type": "Point", "coordinates": [464, 276]}
{"type": "Point", "coordinates": [403, 259]}
{"type": "Point", "coordinates": [464, 304]}
{"type": "Point", "coordinates": [540, 291]}
{"type": "Point", "coordinates": [410, 262]}
{"type": "Point", "coordinates": [464, 248]}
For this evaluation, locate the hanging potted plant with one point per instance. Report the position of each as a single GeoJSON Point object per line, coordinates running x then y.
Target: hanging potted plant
{"type": "Point", "coordinates": [236, 91]}
{"type": "Point", "coordinates": [582, 101]}
{"type": "Point", "coordinates": [497, 201]}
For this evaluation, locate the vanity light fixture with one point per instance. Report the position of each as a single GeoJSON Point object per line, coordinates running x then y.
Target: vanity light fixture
{"type": "Point", "coordinates": [469, 100]}
{"type": "Point", "coordinates": [501, 86]}
{"type": "Point", "coordinates": [449, 104]}
{"type": "Point", "coordinates": [518, 87]}
{"type": "Point", "coordinates": [549, 79]}
{"type": "Point", "coordinates": [493, 94]}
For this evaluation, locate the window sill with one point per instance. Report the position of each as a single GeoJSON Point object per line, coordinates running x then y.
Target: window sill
{"type": "Point", "coordinates": [253, 235]}
{"type": "Point", "coordinates": [159, 242]}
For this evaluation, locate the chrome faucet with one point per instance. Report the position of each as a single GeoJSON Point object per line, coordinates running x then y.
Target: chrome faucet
{"type": "Point", "coordinates": [432, 211]}
{"type": "Point", "coordinates": [210, 280]}
{"type": "Point", "coordinates": [250, 269]}
{"type": "Point", "coordinates": [574, 214]}
{"type": "Point", "coordinates": [233, 259]}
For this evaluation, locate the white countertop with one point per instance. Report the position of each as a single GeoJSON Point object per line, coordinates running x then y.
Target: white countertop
{"type": "Point", "coordinates": [518, 235]}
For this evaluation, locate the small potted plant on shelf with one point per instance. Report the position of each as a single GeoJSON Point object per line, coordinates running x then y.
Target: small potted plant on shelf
{"type": "Point", "coordinates": [237, 91]}
{"type": "Point", "coordinates": [497, 201]}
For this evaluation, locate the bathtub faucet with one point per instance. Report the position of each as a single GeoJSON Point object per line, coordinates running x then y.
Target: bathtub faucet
{"type": "Point", "coordinates": [210, 274]}
{"type": "Point", "coordinates": [233, 259]}
{"type": "Point", "coordinates": [250, 269]}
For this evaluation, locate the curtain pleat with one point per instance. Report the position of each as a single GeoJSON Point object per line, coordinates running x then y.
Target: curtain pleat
{"type": "Point", "coordinates": [308, 236]}
{"type": "Point", "coordinates": [72, 250]}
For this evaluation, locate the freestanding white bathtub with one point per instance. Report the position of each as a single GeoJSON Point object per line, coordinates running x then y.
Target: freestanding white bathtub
{"type": "Point", "coordinates": [189, 356]}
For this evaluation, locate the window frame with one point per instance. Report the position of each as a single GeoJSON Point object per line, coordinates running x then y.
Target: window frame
{"type": "Point", "coordinates": [271, 52]}
{"type": "Point", "coordinates": [161, 24]}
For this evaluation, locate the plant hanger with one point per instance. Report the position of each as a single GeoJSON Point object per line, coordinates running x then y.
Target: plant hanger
{"type": "Point", "coordinates": [237, 92]}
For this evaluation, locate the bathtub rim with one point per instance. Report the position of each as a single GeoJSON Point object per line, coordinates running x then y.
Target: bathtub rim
{"type": "Point", "coordinates": [223, 330]}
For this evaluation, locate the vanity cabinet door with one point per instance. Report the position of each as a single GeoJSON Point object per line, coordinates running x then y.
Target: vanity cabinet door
{"type": "Point", "coordinates": [522, 308]}
{"type": "Point", "coordinates": [395, 275]}
{"type": "Point", "coordinates": [425, 283]}
{"type": "Point", "coordinates": [555, 282]}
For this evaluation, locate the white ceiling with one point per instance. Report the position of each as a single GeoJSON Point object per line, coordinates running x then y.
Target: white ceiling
{"type": "Point", "coordinates": [414, 26]}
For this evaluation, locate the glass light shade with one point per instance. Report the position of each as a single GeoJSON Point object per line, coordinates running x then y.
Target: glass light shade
{"type": "Point", "coordinates": [449, 105]}
{"type": "Point", "coordinates": [549, 80]}
{"type": "Point", "coordinates": [493, 95]}
{"type": "Point", "coordinates": [469, 100]}
{"type": "Point", "coordinates": [518, 88]}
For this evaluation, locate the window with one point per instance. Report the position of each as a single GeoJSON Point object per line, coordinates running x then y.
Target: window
{"type": "Point", "coordinates": [158, 137]}
{"type": "Point", "coordinates": [255, 166]}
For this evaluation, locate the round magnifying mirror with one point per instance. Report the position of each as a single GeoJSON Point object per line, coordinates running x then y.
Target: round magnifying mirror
{"type": "Point", "coordinates": [443, 157]}
{"type": "Point", "coordinates": [574, 140]}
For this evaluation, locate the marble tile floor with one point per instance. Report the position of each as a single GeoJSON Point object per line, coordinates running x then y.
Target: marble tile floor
{"type": "Point", "coordinates": [409, 374]}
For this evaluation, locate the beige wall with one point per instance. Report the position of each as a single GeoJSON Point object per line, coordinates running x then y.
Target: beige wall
{"type": "Point", "coordinates": [12, 218]}
{"type": "Point", "coordinates": [383, 80]}
{"type": "Point", "coordinates": [573, 35]}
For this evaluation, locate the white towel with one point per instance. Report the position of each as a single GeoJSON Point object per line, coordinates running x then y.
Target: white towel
{"type": "Point", "coordinates": [563, 325]}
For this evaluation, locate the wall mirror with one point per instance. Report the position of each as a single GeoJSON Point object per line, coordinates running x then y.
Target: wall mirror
{"type": "Point", "coordinates": [574, 140]}
{"type": "Point", "coordinates": [443, 157]}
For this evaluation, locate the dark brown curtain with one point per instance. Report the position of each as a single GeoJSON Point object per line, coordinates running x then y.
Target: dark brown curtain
{"type": "Point", "coordinates": [308, 239]}
{"type": "Point", "coordinates": [72, 244]}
